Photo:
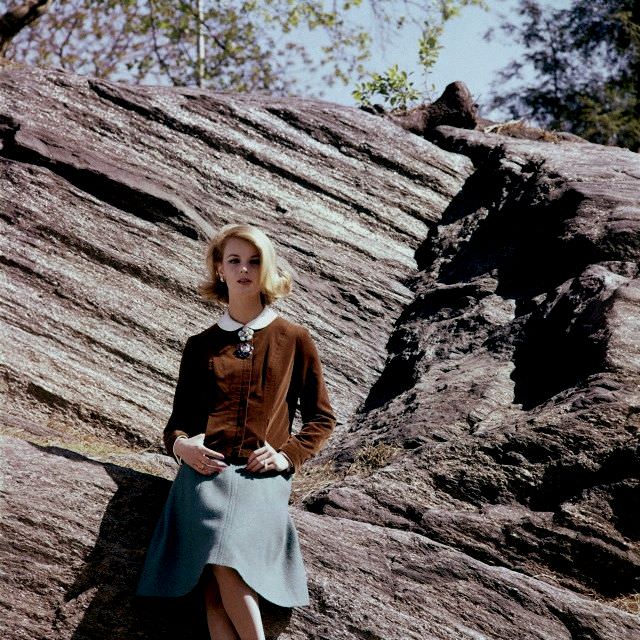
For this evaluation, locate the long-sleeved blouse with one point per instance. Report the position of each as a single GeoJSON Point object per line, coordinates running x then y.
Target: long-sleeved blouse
{"type": "Point", "coordinates": [241, 403]}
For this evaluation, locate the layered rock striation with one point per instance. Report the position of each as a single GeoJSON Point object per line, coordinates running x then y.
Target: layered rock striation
{"type": "Point", "coordinates": [512, 383]}
{"type": "Point", "coordinates": [108, 196]}
{"type": "Point", "coordinates": [475, 300]}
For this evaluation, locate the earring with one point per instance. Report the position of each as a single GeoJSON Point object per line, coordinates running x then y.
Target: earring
{"type": "Point", "coordinates": [221, 277]}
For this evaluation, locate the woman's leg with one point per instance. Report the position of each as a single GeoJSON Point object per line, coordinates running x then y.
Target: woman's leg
{"type": "Point", "coordinates": [220, 626]}
{"type": "Point", "coordinates": [240, 602]}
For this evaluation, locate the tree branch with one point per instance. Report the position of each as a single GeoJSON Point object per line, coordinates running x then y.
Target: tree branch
{"type": "Point", "coordinates": [13, 21]}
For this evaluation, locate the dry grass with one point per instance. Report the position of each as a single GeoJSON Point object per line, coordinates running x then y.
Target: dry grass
{"type": "Point", "coordinates": [88, 445]}
{"type": "Point", "coordinates": [372, 457]}
{"type": "Point", "coordinates": [630, 603]}
{"type": "Point", "coordinates": [520, 129]}
{"type": "Point", "coordinates": [368, 459]}
{"type": "Point", "coordinates": [312, 478]}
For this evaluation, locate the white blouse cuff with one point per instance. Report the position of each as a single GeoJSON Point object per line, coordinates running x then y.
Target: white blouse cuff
{"type": "Point", "coordinates": [288, 460]}
{"type": "Point", "coordinates": [175, 455]}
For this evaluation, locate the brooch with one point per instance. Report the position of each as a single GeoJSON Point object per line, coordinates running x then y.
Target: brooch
{"type": "Point", "coordinates": [245, 347]}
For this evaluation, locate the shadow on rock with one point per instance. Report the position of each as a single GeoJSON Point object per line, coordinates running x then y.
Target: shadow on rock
{"type": "Point", "coordinates": [101, 602]}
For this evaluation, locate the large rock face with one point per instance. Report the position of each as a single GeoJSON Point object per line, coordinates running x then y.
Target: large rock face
{"type": "Point", "coordinates": [108, 193]}
{"type": "Point", "coordinates": [476, 303]}
{"type": "Point", "coordinates": [513, 376]}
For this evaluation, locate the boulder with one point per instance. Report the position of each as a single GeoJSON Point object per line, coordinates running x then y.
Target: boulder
{"type": "Point", "coordinates": [474, 298]}
{"type": "Point", "coordinates": [109, 193]}
{"type": "Point", "coordinates": [512, 381]}
{"type": "Point", "coordinates": [78, 535]}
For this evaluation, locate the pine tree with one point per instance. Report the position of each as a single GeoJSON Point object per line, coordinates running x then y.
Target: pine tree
{"type": "Point", "coordinates": [587, 64]}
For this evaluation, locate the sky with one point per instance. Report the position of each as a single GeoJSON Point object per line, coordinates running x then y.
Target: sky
{"type": "Point", "coordinates": [465, 55]}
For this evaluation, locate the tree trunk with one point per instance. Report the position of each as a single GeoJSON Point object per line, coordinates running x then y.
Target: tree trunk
{"type": "Point", "coordinates": [13, 21]}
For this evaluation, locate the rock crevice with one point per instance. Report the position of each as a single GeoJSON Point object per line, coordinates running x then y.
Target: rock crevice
{"type": "Point", "coordinates": [512, 376]}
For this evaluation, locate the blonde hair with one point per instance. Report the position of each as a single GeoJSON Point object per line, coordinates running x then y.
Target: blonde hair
{"type": "Point", "coordinates": [273, 284]}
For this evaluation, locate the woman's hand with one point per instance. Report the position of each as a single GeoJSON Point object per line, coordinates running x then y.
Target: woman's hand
{"type": "Point", "coordinates": [267, 459]}
{"type": "Point", "coordinates": [196, 455]}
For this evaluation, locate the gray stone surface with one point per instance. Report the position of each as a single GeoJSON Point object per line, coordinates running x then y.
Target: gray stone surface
{"type": "Point", "coordinates": [108, 194]}
{"type": "Point", "coordinates": [512, 381]}
{"type": "Point", "coordinates": [475, 300]}
{"type": "Point", "coordinates": [88, 523]}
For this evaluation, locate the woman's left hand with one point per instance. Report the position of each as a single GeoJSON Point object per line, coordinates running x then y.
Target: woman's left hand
{"type": "Point", "coordinates": [266, 459]}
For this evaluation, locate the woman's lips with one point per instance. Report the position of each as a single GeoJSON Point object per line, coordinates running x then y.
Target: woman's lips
{"type": "Point", "coordinates": [244, 281]}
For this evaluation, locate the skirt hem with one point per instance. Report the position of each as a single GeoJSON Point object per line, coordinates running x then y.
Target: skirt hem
{"type": "Point", "coordinates": [278, 602]}
{"type": "Point", "coordinates": [233, 519]}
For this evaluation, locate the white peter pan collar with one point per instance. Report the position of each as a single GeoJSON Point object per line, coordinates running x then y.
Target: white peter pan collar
{"type": "Point", "coordinates": [226, 322]}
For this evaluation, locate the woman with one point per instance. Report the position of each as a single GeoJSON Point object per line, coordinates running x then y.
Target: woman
{"type": "Point", "coordinates": [226, 519]}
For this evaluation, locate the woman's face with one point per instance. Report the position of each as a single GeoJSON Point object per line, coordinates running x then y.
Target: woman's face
{"type": "Point", "coordinates": [241, 268]}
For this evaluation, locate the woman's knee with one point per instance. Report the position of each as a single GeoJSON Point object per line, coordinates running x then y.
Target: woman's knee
{"type": "Point", "coordinates": [212, 590]}
{"type": "Point", "coordinates": [230, 580]}
{"type": "Point", "coordinates": [220, 571]}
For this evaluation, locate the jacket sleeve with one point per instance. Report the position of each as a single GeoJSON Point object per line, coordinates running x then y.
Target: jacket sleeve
{"type": "Point", "coordinates": [185, 400]}
{"type": "Point", "coordinates": [318, 419]}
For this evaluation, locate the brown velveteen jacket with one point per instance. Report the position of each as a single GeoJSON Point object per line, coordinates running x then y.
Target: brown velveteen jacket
{"type": "Point", "coordinates": [242, 403]}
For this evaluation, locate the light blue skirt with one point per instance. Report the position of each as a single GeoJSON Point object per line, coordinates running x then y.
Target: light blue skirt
{"type": "Point", "coordinates": [233, 518]}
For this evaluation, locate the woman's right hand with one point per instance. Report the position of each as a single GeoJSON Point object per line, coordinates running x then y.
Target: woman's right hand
{"type": "Point", "coordinates": [197, 456]}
